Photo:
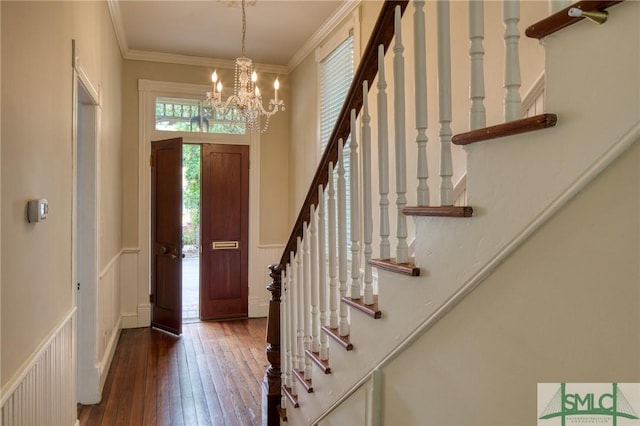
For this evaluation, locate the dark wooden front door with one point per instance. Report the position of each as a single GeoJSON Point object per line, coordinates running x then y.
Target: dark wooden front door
{"type": "Point", "coordinates": [166, 235]}
{"type": "Point", "coordinates": [224, 288]}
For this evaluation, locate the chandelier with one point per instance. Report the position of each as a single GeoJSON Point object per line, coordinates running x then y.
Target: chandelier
{"type": "Point", "coordinates": [246, 99]}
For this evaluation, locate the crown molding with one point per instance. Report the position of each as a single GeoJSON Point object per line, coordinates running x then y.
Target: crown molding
{"type": "Point", "coordinates": [169, 58]}
{"type": "Point", "coordinates": [118, 26]}
{"type": "Point", "coordinates": [310, 45]}
{"type": "Point", "coordinates": [319, 36]}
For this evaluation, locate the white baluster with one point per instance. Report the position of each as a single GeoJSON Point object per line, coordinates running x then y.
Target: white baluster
{"type": "Point", "coordinates": [343, 325]}
{"type": "Point", "coordinates": [284, 330]}
{"type": "Point", "coordinates": [402, 249]}
{"type": "Point", "coordinates": [293, 301]}
{"type": "Point", "coordinates": [420, 75]}
{"type": "Point", "coordinates": [367, 213]}
{"type": "Point", "coordinates": [333, 281]}
{"type": "Point", "coordinates": [444, 95]}
{"type": "Point", "coordinates": [355, 209]}
{"type": "Point", "coordinates": [383, 158]}
{"type": "Point", "coordinates": [477, 118]}
{"type": "Point", "coordinates": [300, 308]}
{"type": "Point", "coordinates": [315, 323]}
{"type": "Point", "coordinates": [512, 101]}
{"type": "Point", "coordinates": [306, 289]}
{"type": "Point", "coordinates": [322, 272]}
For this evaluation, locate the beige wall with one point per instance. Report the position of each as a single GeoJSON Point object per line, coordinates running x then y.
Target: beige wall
{"type": "Point", "coordinates": [37, 161]}
{"type": "Point", "coordinates": [563, 308]}
{"type": "Point", "coordinates": [273, 152]}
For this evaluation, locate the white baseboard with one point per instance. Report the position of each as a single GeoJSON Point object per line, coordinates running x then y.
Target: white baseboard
{"type": "Point", "coordinates": [258, 307]}
{"type": "Point", "coordinates": [129, 320]}
{"type": "Point", "coordinates": [144, 315]}
{"type": "Point", "coordinates": [108, 356]}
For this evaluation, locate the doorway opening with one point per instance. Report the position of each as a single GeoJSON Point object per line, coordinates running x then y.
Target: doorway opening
{"type": "Point", "coordinates": [85, 239]}
{"type": "Point", "coordinates": [191, 245]}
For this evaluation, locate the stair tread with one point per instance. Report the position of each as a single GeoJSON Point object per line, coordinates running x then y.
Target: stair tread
{"type": "Point", "coordinates": [391, 265]}
{"type": "Point", "coordinates": [308, 386]}
{"type": "Point", "coordinates": [293, 399]}
{"type": "Point", "coordinates": [335, 335]}
{"type": "Point", "coordinates": [561, 19]}
{"type": "Point", "coordinates": [315, 357]}
{"type": "Point", "coordinates": [509, 128]}
{"type": "Point", "coordinates": [439, 211]}
{"type": "Point", "coordinates": [371, 310]}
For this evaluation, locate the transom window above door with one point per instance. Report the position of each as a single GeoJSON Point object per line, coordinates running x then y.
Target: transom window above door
{"type": "Point", "coordinates": [189, 115]}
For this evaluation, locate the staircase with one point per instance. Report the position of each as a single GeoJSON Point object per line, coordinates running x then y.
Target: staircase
{"type": "Point", "coordinates": [336, 322]}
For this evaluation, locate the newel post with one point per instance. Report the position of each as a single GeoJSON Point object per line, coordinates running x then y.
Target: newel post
{"type": "Point", "coordinates": [271, 385]}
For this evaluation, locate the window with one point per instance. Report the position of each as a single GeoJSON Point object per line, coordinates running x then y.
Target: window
{"type": "Point", "coordinates": [189, 115]}
{"type": "Point", "coordinates": [336, 74]}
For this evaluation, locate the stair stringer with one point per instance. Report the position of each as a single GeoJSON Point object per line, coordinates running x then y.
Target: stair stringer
{"type": "Point", "coordinates": [515, 184]}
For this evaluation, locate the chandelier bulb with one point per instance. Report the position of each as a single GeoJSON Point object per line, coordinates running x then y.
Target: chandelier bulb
{"type": "Point", "coordinates": [276, 84]}
{"type": "Point", "coordinates": [214, 77]}
{"type": "Point", "coordinates": [254, 76]}
{"type": "Point", "coordinates": [219, 87]}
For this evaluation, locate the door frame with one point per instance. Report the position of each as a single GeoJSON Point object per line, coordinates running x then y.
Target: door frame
{"type": "Point", "coordinates": [86, 130]}
{"type": "Point", "coordinates": [148, 91]}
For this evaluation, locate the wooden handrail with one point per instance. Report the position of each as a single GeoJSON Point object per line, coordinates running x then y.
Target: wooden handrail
{"type": "Point", "coordinates": [561, 19]}
{"type": "Point", "coordinates": [367, 70]}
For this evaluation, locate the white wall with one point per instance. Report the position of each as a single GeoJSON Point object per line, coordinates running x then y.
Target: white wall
{"type": "Point", "coordinates": [563, 308]}
{"type": "Point", "coordinates": [37, 276]}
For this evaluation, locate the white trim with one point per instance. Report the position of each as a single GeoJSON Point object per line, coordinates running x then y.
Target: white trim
{"type": "Point", "coordinates": [105, 363]}
{"type": "Point", "coordinates": [113, 260]}
{"type": "Point", "coordinates": [144, 314]}
{"type": "Point", "coordinates": [131, 250]}
{"type": "Point", "coordinates": [85, 329]}
{"type": "Point", "coordinates": [169, 58]}
{"type": "Point", "coordinates": [175, 89]}
{"type": "Point", "coordinates": [626, 141]}
{"type": "Point", "coordinates": [8, 389]}
{"type": "Point", "coordinates": [534, 92]}
{"type": "Point", "coordinates": [322, 33]}
{"type": "Point", "coordinates": [272, 246]}
{"type": "Point", "coordinates": [129, 320]}
{"type": "Point", "coordinates": [118, 25]}
{"type": "Point", "coordinates": [148, 90]}
{"type": "Point", "coordinates": [460, 187]}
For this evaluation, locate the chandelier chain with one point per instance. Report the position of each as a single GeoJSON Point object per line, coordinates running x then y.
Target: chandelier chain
{"type": "Point", "coordinates": [244, 27]}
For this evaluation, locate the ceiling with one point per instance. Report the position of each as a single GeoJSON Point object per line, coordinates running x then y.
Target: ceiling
{"type": "Point", "coordinates": [277, 30]}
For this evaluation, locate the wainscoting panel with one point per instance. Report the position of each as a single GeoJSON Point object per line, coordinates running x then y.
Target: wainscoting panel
{"type": "Point", "coordinates": [265, 255]}
{"type": "Point", "coordinates": [129, 288]}
{"type": "Point", "coordinates": [108, 313]}
{"type": "Point", "coordinates": [44, 392]}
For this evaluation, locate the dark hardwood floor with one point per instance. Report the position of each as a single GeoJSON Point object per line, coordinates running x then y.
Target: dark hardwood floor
{"type": "Point", "coordinates": [211, 375]}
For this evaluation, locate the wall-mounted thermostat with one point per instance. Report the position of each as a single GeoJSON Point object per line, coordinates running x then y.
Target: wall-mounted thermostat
{"type": "Point", "coordinates": [37, 210]}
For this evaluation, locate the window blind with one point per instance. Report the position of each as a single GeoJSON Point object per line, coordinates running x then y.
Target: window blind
{"type": "Point", "coordinates": [336, 74]}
